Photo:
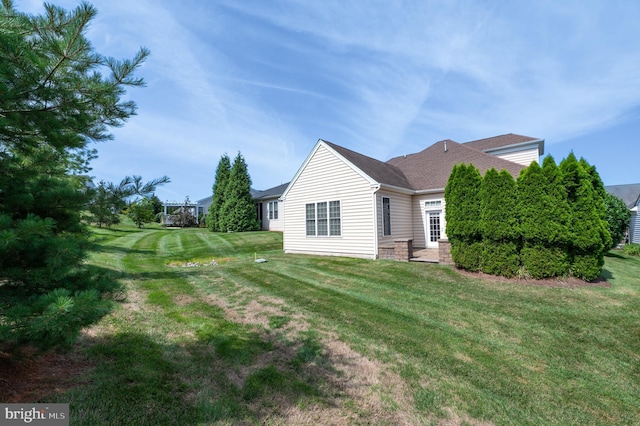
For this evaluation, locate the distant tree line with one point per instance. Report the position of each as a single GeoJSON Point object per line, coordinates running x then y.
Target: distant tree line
{"type": "Point", "coordinates": [108, 201]}
{"type": "Point", "coordinates": [554, 221]}
{"type": "Point", "coordinates": [233, 208]}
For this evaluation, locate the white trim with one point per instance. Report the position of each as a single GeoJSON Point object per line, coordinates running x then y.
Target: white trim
{"type": "Point", "coordinates": [328, 219]}
{"type": "Point", "coordinates": [516, 147]}
{"type": "Point", "coordinates": [374, 202]}
{"type": "Point", "coordinates": [427, 227]}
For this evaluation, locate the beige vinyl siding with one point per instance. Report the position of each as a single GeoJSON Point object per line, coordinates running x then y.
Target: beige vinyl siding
{"type": "Point", "coordinates": [401, 217]}
{"type": "Point", "coordinates": [521, 156]}
{"type": "Point", "coordinates": [326, 177]}
{"type": "Point", "coordinates": [419, 231]}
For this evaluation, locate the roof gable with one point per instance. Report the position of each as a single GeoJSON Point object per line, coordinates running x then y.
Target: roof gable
{"type": "Point", "coordinates": [377, 170]}
{"type": "Point", "coordinates": [429, 169]}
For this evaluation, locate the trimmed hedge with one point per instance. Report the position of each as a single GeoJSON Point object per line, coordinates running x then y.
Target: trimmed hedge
{"type": "Point", "coordinates": [551, 222]}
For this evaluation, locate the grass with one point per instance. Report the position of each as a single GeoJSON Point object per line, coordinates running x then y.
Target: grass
{"type": "Point", "coordinates": [242, 342]}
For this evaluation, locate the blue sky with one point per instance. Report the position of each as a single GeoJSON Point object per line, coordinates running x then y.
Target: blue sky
{"type": "Point", "coordinates": [383, 78]}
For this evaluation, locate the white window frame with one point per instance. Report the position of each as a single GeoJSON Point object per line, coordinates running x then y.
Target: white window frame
{"type": "Point", "coordinates": [386, 217]}
{"type": "Point", "coordinates": [433, 204]}
{"type": "Point", "coordinates": [321, 220]}
{"type": "Point", "coordinates": [273, 210]}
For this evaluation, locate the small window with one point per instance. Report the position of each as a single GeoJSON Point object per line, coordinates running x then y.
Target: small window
{"type": "Point", "coordinates": [433, 203]}
{"type": "Point", "coordinates": [322, 219]}
{"type": "Point", "coordinates": [386, 216]}
{"type": "Point", "coordinates": [311, 218]}
{"type": "Point", "coordinates": [273, 210]}
{"type": "Point", "coordinates": [335, 228]}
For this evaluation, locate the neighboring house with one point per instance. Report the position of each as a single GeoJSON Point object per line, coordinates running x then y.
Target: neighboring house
{"type": "Point", "coordinates": [630, 194]}
{"type": "Point", "coordinates": [269, 210]}
{"type": "Point", "coordinates": [344, 203]}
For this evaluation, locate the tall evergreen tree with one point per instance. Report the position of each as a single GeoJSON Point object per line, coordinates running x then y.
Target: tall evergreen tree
{"type": "Point", "coordinates": [587, 230]}
{"type": "Point", "coordinates": [499, 220]}
{"type": "Point", "coordinates": [223, 172]}
{"type": "Point", "coordinates": [57, 95]}
{"type": "Point", "coordinates": [238, 212]}
{"type": "Point", "coordinates": [600, 194]}
{"type": "Point", "coordinates": [543, 220]}
{"type": "Point", "coordinates": [462, 196]}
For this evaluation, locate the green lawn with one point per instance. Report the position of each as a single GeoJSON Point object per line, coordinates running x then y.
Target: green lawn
{"type": "Point", "coordinates": [308, 340]}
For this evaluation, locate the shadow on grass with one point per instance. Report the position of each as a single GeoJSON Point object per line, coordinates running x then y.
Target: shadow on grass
{"type": "Point", "coordinates": [226, 374]}
{"type": "Point", "coordinates": [615, 255]}
{"type": "Point", "coordinates": [102, 248]}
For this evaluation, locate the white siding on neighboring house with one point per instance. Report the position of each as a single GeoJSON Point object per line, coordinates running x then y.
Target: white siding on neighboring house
{"type": "Point", "coordinates": [401, 217]}
{"type": "Point", "coordinates": [326, 177]}
{"type": "Point", "coordinates": [524, 156]}
{"type": "Point", "coordinates": [272, 215]}
{"type": "Point", "coordinates": [419, 209]}
{"type": "Point", "coordinates": [634, 228]}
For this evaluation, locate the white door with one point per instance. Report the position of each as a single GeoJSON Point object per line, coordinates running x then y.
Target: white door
{"type": "Point", "coordinates": [433, 219]}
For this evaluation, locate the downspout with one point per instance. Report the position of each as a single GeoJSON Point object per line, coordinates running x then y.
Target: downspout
{"type": "Point", "coordinates": [376, 188]}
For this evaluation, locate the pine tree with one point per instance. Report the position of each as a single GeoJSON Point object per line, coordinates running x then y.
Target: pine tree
{"type": "Point", "coordinates": [57, 95]}
{"type": "Point", "coordinates": [499, 220]}
{"type": "Point", "coordinates": [223, 171]}
{"type": "Point", "coordinates": [238, 212]}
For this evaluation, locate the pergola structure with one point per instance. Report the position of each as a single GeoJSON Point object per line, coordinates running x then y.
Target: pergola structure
{"type": "Point", "coordinates": [172, 206]}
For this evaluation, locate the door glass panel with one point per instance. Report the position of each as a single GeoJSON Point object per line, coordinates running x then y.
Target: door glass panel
{"type": "Point", "coordinates": [434, 227]}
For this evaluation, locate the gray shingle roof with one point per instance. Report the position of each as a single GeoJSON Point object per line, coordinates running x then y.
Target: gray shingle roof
{"type": "Point", "coordinates": [379, 171]}
{"type": "Point", "coordinates": [274, 192]}
{"type": "Point", "coordinates": [430, 168]}
{"type": "Point", "coordinates": [499, 141]}
{"type": "Point", "coordinates": [629, 193]}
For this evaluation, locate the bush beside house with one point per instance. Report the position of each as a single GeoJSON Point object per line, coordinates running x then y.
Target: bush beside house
{"type": "Point", "coordinates": [550, 222]}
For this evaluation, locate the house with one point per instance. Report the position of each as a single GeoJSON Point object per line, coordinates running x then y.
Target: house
{"type": "Point", "coordinates": [343, 203]}
{"type": "Point", "coordinates": [269, 209]}
{"type": "Point", "coordinates": [630, 194]}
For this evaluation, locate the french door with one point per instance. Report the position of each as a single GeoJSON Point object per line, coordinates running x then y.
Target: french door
{"type": "Point", "coordinates": [433, 221]}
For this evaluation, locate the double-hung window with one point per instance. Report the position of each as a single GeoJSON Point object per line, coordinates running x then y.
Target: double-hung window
{"type": "Point", "coordinates": [273, 210]}
{"type": "Point", "coordinates": [335, 226]}
{"type": "Point", "coordinates": [323, 219]}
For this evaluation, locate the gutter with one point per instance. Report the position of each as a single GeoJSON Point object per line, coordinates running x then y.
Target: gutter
{"type": "Point", "coordinates": [539, 142]}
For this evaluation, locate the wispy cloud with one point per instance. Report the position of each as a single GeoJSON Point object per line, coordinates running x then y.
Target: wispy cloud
{"type": "Point", "coordinates": [383, 78]}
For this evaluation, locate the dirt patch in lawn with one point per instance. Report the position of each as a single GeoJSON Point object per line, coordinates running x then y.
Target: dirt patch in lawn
{"type": "Point", "coordinates": [568, 282]}
{"type": "Point", "coordinates": [359, 389]}
{"type": "Point", "coordinates": [36, 377]}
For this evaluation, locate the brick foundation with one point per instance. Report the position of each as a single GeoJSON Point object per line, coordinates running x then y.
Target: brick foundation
{"type": "Point", "coordinates": [386, 253]}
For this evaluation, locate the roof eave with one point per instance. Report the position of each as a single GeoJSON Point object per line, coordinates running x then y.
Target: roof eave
{"type": "Point", "coordinates": [539, 142]}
